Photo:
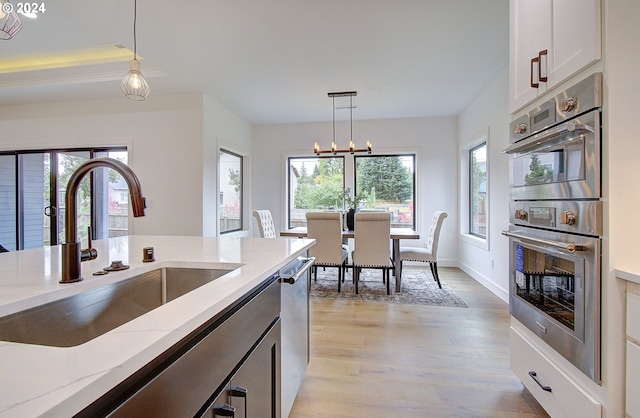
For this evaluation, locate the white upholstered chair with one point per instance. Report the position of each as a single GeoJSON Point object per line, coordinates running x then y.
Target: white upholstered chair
{"type": "Point", "coordinates": [265, 223]}
{"type": "Point", "coordinates": [430, 253]}
{"type": "Point", "coordinates": [326, 229]}
{"type": "Point", "coordinates": [371, 244]}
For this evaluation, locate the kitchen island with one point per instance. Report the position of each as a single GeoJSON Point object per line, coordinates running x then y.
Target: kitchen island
{"type": "Point", "coordinates": [40, 380]}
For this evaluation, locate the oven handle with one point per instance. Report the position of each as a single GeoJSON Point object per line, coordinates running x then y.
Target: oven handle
{"type": "Point", "coordinates": [572, 248]}
{"type": "Point", "coordinates": [549, 135]}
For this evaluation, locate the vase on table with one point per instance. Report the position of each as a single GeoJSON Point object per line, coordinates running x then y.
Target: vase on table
{"type": "Point", "coordinates": [351, 219]}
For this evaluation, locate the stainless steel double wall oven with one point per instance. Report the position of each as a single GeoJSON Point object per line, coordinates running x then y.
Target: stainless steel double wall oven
{"type": "Point", "coordinates": [556, 222]}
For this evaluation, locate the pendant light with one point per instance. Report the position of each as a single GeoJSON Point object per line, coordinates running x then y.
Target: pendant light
{"type": "Point", "coordinates": [10, 24]}
{"type": "Point", "coordinates": [133, 85]}
{"type": "Point", "coordinates": [334, 148]}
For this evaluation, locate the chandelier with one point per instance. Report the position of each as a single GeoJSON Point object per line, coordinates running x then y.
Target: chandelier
{"type": "Point", "coordinates": [334, 148]}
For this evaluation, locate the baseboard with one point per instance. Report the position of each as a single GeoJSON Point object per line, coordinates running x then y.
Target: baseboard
{"type": "Point", "coordinates": [485, 281]}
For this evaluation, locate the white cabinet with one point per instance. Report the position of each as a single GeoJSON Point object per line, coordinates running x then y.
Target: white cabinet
{"type": "Point", "coordinates": [633, 351]}
{"type": "Point", "coordinates": [554, 389]}
{"type": "Point", "coordinates": [550, 40]}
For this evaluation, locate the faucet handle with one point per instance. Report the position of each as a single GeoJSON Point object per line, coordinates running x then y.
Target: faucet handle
{"type": "Point", "coordinates": [88, 253]}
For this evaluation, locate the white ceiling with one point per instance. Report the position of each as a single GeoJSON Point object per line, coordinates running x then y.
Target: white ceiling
{"type": "Point", "coordinates": [274, 61]}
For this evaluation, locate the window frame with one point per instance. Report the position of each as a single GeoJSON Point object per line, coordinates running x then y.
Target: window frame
{"type": "Point", "coordinates": [479, 138]}
{"type": "Point", "coordinates": [414, 179]}
{"type": "Point", "coordinates": [471, 172]}
{"type": "Point", "coordinates": [240, 194]}
{"type": "Point", "coordinates": [290, 197]}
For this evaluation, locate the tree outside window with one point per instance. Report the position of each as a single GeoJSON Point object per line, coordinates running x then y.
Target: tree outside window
{"type": "Point", "coordinates": [388, 183]}
{"type": "Point", "coordinates": [314, 184]}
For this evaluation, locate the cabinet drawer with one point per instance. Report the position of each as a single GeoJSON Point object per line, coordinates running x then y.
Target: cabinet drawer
{"type": "Point", "coordinates": [566, 398]}
{"type": "Point", "coordinates": [633, 379]}
{"type": "Point", "coordinates": [180, 381]}
{"type": "Point", "coordinates": [633, 316]}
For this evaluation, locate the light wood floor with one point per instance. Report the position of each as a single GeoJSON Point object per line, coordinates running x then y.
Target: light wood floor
{"type": "Point", "coordinates": [372, 359]}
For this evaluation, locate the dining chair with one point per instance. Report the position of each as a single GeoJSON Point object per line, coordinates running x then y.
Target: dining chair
{"type": "Point", "coordinates": [265, 223]}
{"type": "Point", "coordinates": [371, 245]}
{"type": "Point", "coordinates": [429, 254]}
{"type": "Point", "coordinates": [326, 229]}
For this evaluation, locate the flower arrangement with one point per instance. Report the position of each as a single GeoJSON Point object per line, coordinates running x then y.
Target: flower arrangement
{"type": "Point", "coordinates": [351, 202]}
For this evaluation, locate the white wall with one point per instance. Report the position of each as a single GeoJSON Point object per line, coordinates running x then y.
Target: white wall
{"type": "Point", "coordinates": [433, 140]}
{"type": "Point", "coordinates": [620, 185]}
{"type": "Point", "coordinates": [223, 129]}
{"type": "Point", "coordinates": [165, 137]}
{"type": "Point", "coordinates": [489, 114]}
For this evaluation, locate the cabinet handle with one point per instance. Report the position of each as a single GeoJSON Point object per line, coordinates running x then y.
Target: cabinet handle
{"type": "Point", "coordinates": [239, 392]}
{"type": "Point", "coordinates": [535, 378]}
{"type": "Point", "coordinates": [224, 410]}
{"type": "Point", "coordinates": [534, 60]}
{"type": "Point", "coordinates": [540, 54]}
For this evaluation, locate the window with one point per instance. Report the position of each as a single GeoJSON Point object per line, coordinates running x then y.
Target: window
{"type": "Point", "coordinates": [32, 197]}
{"type": "Point", "coordinates": [387, 183]}
{"type": "Point", "coordinates": [230, 195]}
{"type": "Point", "coordinates": [478, 190]}
{"type": "Point", "coordinates": [315, 183]}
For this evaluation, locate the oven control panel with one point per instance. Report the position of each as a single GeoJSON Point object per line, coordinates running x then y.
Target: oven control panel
{"type": "Point", "coordinates": [575, 216]}
{"type": "Point", "coordinates": [542, 216]}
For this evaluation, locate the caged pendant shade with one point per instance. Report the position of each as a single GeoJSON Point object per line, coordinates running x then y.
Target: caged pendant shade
{"type": "Point", "coordinates": [10, 24]}
{"type": "Point", "coordinates": [133, 85]}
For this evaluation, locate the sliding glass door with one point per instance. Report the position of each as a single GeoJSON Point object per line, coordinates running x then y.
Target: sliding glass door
{"type": "Point", "coordinates": [67, 163]}
{"type": "Point", "coordinates": [32, 197]}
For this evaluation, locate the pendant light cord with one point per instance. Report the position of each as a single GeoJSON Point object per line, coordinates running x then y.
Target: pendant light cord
{"type": "Point", "coordinates": [135, 18]}
{"type": "Point", "coordinates": [351, 116]}
{"type": "Point", "coordinates": [333, 99]}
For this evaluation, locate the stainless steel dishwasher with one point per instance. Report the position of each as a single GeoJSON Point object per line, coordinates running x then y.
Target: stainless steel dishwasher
{"type": "Point", "coordinates": [295, 280]}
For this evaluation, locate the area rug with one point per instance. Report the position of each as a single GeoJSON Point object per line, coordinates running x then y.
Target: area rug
{"type": "Point", "coordinates": [418, 287]}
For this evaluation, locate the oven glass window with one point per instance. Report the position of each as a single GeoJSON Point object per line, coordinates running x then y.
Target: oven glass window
{"type": "Point", "coordinates": [550, 165]}
{"type": "Point", "coordinates": [547, 282]}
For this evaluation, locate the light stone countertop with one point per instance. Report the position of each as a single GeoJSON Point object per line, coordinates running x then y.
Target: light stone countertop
{"type": "Point", "coordinates": [628, 275]}
{"type": "Point", "coordinates": [51, 381]}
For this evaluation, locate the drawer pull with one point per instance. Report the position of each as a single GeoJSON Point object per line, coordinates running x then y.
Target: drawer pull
{"type": "Point", "coordinates": [224, 410]}
{"type": "Point", "coordinates": [535, 378]}
{"type": "Point", "coordinates": [239, 392]}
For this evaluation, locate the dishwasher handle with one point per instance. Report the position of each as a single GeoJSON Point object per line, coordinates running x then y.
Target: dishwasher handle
{"type": "Point", "coordinates": [305, 267]}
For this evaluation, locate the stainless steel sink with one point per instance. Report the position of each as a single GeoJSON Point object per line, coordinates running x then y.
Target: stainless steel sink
{"type": "Point", "coordinates": [77, 319]}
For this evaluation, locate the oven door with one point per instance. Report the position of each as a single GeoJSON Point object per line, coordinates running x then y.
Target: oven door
{"type": "Point", "coordinates": [559, 163]}
{"type": "Point", "coordinates": [554, 290]}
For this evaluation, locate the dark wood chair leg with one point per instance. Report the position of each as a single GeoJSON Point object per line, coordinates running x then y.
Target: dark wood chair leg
{"type": "Point", "coordinates": [340, 278]}
{"type": "Point", "coordinates": [315, 273]}
{"type": "Point", "coordinates": [386, 271]}
{"type": "Point", "coordinates": [356, 273]}
{"type": "Point", "coordinates": [434, 269]}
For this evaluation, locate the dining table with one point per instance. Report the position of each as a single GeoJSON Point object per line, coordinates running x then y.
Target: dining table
{"type": "Point", "coordinates": [395, 235]}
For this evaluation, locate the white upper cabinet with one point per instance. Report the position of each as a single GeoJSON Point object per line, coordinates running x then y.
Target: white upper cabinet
{"type": "Point", "coordinates": [550, 40]}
